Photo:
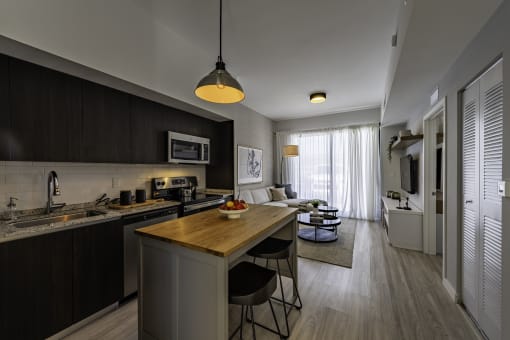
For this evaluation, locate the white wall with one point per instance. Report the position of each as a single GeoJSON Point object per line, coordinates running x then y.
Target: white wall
{"type": "Point", "coordinates": [253, 129]}
{"type": "Point", "coordinates": [361, 117]}
{"type": "Point", "coordinates": [486, 47]}
{"type": "Point", "coordinates": [82, 182]}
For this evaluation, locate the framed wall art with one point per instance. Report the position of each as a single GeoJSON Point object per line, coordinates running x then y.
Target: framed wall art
{"type": "Point", "coordinates": [249, 165]}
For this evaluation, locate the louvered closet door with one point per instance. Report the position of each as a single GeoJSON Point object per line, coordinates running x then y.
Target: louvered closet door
{"type": "Point", "coordinates": [491, 118]}
{"type": "Point", "coordinates": [482, 160]}
{"type": "Point", "coordinates": [470, 186]}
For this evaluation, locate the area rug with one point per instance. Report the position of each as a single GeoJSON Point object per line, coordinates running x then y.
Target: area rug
{"type": "Point", "coordinates": [338, 253]}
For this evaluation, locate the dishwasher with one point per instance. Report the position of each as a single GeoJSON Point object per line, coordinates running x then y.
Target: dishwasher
{"type": "Point", "coordinates": [131, 254]}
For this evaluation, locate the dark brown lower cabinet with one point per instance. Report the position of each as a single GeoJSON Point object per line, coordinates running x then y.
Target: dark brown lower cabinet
{"type": "Point", "coordinates": [51, 281]}
{"type": "Point", "coordinates": [97, 267]}
{"type": "Point", "coordinates": [36, 296]}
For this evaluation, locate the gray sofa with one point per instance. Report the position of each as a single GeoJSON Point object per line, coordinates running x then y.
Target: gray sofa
{"type": "Point", "coordinates": [264, 196]}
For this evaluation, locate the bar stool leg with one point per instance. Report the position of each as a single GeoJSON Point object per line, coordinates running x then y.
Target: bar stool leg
{"type": "Point", "coordinates": [294, 287]}
{"type": "Point", "coordinates": [240, 327]}
{"type": "Point", "coordinates": [253, 323]}
{"type": "Point", "coordinates": [283, 298]}
{"type": "Point", "coordinates": [276, 321]}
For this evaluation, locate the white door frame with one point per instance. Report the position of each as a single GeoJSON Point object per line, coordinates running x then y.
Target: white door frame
{"type": "Point", "coordinates": [429, 152]}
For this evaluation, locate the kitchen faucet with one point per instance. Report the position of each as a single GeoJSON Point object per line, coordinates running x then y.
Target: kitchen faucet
{"type": "Point", "coordinates": [53, 181]}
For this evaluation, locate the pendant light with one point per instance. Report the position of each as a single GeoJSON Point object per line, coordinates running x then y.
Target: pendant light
{"type": "Point", "coordinates": [219, 86]}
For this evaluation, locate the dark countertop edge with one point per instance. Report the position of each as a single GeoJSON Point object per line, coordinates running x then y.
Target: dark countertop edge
{"type": "Point", "coordinates": [111, 215]}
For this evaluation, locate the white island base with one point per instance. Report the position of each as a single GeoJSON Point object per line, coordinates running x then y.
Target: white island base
{"type": "Point", "coordinates": [183, 291]}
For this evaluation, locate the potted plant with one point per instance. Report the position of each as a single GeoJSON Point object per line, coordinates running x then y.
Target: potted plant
{"type": "Point", "coordinates": [315, 204]}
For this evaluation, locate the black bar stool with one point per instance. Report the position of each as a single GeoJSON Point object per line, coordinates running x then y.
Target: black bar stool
{"type": "Point", "coordinates": [250, 285]}
{"type": "Point", "coordinates": [277, 249]}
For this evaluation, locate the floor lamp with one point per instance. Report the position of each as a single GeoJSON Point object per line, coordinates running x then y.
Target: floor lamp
{"type": "Point", "coordinates": [288, 151]}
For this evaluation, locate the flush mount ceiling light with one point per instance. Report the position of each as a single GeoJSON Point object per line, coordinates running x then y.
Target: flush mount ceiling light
{"type": "Point", "coordinates": [318, 97]}
{"type": "Point", "coordinates": [219, 86]}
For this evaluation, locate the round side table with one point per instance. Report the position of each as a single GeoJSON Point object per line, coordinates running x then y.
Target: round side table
{"type": "Point", "coordinates": [323, 228]}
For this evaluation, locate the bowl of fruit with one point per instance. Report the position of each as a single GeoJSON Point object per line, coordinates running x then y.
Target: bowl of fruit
{"type": "Point", "coordinates": [233, 209]}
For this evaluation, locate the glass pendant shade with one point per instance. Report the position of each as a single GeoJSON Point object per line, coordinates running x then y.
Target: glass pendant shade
{"type": "Point", "coordinates": [219, 86]}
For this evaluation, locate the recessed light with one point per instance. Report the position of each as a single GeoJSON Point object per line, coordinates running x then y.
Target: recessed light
{"type": "Point", "coordinates": [318, 97]}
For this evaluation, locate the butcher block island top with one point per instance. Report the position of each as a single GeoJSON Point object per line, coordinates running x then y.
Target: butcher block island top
{"type": "Point", "coordinates": [213, 233]}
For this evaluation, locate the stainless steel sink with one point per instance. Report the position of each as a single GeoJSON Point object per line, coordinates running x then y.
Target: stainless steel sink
{"type": "Point", "coordinates": [55, 219]}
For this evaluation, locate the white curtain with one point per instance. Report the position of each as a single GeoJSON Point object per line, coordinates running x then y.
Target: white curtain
{"type": "Point", "coordinates": [340, 166]}
{"type": "Point", "coordinates": [355, 180]}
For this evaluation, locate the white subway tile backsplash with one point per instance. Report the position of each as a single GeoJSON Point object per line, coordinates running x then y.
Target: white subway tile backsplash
{"type": "Point", "coordinates": [81, 182]}
{"type": "Point", "coordinates": [21, 164]}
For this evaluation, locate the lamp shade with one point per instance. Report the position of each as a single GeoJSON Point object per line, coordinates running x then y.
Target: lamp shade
{"type": "Point", "coordinates": [290, 151]}
{"type": "Point", "coordinates": [219, 86]}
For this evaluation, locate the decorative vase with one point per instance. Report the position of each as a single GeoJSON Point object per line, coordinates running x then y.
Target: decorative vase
{"type": "Point", "coordinates": [315, 210]}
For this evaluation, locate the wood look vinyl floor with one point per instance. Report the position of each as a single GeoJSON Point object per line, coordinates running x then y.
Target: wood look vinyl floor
{"type": "Point", "coordinates": [389, 294]}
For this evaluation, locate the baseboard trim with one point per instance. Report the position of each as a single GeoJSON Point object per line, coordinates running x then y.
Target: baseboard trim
{"type": "Point", "coordinates": [73, 328]}
{"type": "Point", "coordinates": [451, 291]}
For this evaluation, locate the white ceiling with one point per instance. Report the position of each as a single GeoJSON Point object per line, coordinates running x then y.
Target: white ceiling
{"type": "Point", "coordinates": [437, 33]}
{"type": "Point", "coordinates": [281, 51]}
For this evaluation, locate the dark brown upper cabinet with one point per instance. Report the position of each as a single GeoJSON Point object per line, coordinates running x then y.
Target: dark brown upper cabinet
{"type": "Point", "coordinates": [45, 108]}
{"type": "Point", "coordinates": [106, 132]}
{"type": "Point", "coordinates": [220, 173]}
{"type": "Point", "coordinates": [5, 123]}
{"type": "Point", "coordinates": [46, 115]}
{"type": "Point", "coordinates": [148, 134]}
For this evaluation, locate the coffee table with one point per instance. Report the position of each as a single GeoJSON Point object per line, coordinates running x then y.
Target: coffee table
{"type": "Point", "coordinates": [322, 231]}
{"type": "Point", "coordinates": [328, 209]}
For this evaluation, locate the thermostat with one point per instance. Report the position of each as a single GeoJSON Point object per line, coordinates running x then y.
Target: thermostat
{"type": "Point", "coordinates": [504, 188]}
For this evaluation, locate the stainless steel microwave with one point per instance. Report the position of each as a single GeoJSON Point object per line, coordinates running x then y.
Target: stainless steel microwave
{"type": "Point", "coordinates": [187, 149]}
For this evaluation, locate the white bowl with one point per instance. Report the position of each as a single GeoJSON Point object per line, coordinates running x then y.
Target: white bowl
{"type": "Point", "coordinates": [232, 214]}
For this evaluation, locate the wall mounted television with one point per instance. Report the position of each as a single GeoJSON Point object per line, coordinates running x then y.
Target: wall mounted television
{"type": "Point", "coordinates": [409, 174]}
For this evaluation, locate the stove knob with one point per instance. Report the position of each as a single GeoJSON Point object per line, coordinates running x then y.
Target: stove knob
{"type": "Point", "coordinates": [163, 183]}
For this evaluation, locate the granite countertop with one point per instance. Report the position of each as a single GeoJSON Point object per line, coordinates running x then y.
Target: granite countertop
{"type": "Point", "coordinates": [10, 233]}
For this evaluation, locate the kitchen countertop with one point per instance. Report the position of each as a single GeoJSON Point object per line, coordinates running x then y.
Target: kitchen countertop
{"type": "Point", "coordinates": [211, 232]}
{"type": "Point", "coordinates": [9, 233]}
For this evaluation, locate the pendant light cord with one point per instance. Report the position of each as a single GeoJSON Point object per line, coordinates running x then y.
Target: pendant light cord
{"type": "Point", "coordinates": [221, 27]}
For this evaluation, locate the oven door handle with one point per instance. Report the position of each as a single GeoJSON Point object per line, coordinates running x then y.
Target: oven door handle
{"type": "Point", "coordinates": [192, 207]}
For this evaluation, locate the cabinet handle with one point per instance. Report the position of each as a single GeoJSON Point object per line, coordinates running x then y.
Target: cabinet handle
{"type": "Point", "coordinates": [469, 201]}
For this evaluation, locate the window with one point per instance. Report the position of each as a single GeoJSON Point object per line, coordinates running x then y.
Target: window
{"type": "Point", "coordinates": [340, 166]}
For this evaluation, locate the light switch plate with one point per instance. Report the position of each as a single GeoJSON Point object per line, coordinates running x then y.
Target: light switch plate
{"type": "Point", "coordinates": [504, 188]}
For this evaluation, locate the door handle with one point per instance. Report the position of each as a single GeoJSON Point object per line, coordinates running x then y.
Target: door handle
{"type": "Point", "coordinates": [469, 201]}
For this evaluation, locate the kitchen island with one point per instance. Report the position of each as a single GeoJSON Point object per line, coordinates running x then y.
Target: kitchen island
{"type": "Point", "coordinates": [184, 263]}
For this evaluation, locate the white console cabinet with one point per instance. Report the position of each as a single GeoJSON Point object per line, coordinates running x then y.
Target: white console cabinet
{"type": "Point", "coordinates": [404, 227]}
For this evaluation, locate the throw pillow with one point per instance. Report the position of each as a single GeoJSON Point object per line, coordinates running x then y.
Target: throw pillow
{"type": "Point", "coordinates": [278, 194]}
{"type": "Point", "coordinates": [288, 189]}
